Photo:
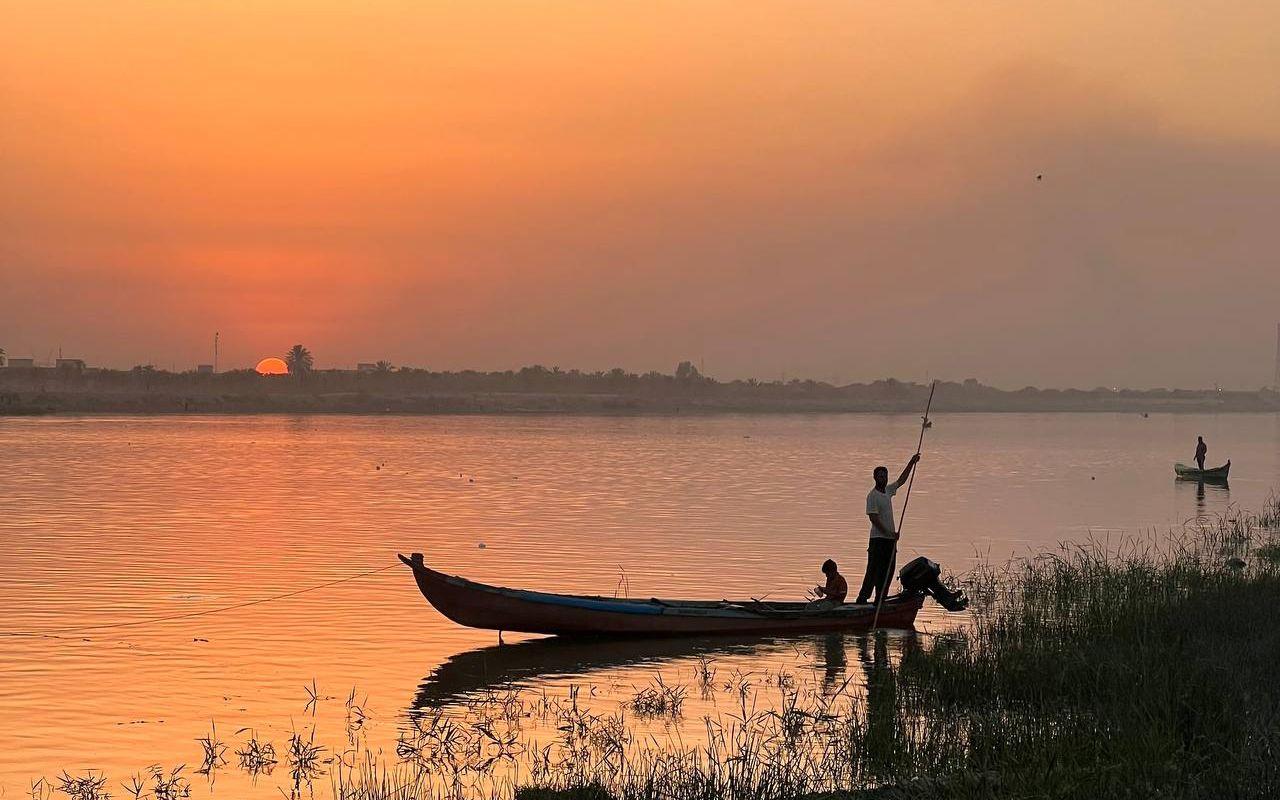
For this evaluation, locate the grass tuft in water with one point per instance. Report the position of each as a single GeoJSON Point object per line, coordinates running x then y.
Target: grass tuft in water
{"type": "Point", "coordinates": [90, 786]}
{"type": "Point", "coordinates": [213, 751]}
{"type": "Point", "coordinates": [305, 758]}
{"type": "Point", "coordinates": [658, 700]}
{"type": "Point", "coordinates": [257, 757]}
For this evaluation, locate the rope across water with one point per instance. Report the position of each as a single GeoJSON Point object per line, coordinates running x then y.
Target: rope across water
{"type": "Point", "coordinates": [204, 613]}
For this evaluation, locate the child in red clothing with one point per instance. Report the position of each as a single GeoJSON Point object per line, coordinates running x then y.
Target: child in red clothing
{"type": "Point", "coordinates": [837, 587]}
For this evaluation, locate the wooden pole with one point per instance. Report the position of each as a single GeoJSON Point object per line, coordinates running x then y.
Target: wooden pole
{"type": "Point", "coordinates": [887, 577]}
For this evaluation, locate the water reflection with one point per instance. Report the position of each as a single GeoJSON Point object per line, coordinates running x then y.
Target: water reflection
{"type": "Point", "coordinates": [1208, 491]}
{"type": "Point", "coordinates": [526, 662]}
{"type": "Point", "coordinates": [834, 662]}
{"type": "Point", "coordinates": [881, 698]}
{"type": "Point", "coordinates": [541, 661]}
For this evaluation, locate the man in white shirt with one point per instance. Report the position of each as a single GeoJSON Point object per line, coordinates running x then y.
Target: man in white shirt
{"type": "Point", "coordinates": [881, 552]}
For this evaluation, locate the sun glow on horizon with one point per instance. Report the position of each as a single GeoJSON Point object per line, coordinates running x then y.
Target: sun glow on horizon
{"type": "Point", "coordinates": [499, 184]}
{"type": "Point", "coordinates": [272, 366]}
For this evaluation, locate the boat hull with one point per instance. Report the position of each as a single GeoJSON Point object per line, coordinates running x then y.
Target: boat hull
{"type": "Point", "coordinates": [478, 605]}
{"type": "Point", "coordinates": [1193, 474]}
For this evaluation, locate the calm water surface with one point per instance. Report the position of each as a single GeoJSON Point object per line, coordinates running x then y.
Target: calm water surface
{"type": "Point", "coordinates": [116, 520]}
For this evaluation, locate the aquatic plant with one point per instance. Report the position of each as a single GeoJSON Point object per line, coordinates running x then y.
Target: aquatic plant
{"type": "Point", "coordinates": [90, 786]}
{"type": "Point", "coordinates": [305, 758]}
{"type": "Point", "coordinates": [658, 700]}
{"type": "Point", "coordinates": [172, 785]}
{"type": "Point", "coordinates": [256, 757]}
{"type": "Point", "coordinates": [136, 787]}
{"type": "Point", "coordinates": [213, 751]}
{"type": "Point", "coordinates": [1269, 515]}
{"type": "Point", "coordinates": [40, 789]}
{"type": "Point", "coordinates": [704, 673]}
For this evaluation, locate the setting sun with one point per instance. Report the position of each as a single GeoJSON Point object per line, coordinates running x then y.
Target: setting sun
{"type": "Point", "coordinates": [272, 366]}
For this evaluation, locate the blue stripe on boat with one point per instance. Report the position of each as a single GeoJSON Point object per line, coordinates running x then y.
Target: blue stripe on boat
{"type": "Point", "coordinates": [593, 605]}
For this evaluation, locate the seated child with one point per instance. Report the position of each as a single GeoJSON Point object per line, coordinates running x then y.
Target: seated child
{"type": "Point", "coordinates": [837, 588]}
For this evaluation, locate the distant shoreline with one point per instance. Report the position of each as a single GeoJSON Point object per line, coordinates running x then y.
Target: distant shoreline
{"type": "Point", "coordinates": [517, 404]}
{"type": "Point", "coordinates": [538, 390]}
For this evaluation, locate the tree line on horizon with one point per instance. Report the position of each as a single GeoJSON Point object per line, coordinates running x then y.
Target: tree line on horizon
{"type": "Point", "coordinates": [537, 378]}
{"type": "Point", "coordinates": [684, 381]}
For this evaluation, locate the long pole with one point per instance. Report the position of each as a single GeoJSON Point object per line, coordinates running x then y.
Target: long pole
{"type": "Point", "coordinates": [884, 579]}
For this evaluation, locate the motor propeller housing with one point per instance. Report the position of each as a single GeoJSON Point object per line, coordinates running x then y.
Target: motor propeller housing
{"type": "Point", "coordinates": [922, 576]}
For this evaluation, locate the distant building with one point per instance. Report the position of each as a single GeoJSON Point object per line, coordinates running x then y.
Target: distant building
{"type": "Point", "coordinates": [21, 362]}
{"type": "Point", "coordinates": [365, 366]}
{"type": "Point", "coordinates": [76, 364]}
{"type": "Point", "coordinates": [204, 369]}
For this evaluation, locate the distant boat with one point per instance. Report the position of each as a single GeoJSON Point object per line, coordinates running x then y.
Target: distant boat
{"type": "Point", "coordinates": [479, 605]}
{"type": "Point", "coordinates": [1193, 474]}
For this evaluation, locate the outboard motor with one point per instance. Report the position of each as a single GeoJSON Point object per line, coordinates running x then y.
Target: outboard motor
{"type": "Point", "coordinates": [922, 576]}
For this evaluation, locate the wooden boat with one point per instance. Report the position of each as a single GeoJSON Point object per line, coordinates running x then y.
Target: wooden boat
{"type": "Point", "coordinates": [479, 605]}
{"type": "Point", "coordinates": [1193, 474]}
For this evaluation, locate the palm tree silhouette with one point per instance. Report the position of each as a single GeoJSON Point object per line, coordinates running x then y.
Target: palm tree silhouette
{"type": "Point", "coordinates": [299, 360]}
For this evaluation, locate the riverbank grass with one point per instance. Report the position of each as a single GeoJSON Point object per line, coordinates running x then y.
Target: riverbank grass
{"type": "Point", "coordinates": [1144, 670]}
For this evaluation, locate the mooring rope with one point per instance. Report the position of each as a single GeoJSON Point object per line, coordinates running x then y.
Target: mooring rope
{"type": "Point", "coordinates": [203, 613]}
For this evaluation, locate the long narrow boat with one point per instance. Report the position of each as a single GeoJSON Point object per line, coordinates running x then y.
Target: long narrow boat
{"type": "Point", "coordinates": [479, 605]}
{"type": "Point", "coordinates": [1194, 474]}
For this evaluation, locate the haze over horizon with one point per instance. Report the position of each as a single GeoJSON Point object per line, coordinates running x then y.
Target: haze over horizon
{"type": "Point", "coordinates": [841, 191]}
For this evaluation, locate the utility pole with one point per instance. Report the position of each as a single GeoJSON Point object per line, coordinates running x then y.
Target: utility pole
{"type": "Point", "coordinates": [215, 352]}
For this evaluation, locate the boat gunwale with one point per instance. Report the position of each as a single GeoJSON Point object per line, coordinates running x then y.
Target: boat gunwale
{"type": "Point", "coordinates": [726, 609]}
{"type": "Point", "coordinates": [1195, 473]}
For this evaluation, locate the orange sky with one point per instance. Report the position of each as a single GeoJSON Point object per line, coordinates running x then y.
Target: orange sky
{"type": "Point", "coordinates": [843, 190]}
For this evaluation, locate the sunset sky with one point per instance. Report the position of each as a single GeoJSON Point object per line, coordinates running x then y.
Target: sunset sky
{"type": "Point", "coordinates": [839, 190]}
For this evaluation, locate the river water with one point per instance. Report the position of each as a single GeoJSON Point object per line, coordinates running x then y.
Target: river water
{"type": "Point", "coordinates": [110, 521]}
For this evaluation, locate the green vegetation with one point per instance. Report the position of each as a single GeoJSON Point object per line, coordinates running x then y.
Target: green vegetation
{"type": "Point", "coordinates": [1097, 673]}
{"type": "Point", "coordinates": [1141, 670]}
{"type": "Point", "coordinates": [1144, 671]}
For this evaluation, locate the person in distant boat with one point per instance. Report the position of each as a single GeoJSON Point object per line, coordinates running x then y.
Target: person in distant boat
{"type": "Point", "coordinates": [1202, 450]}
{"type": "Point", "coordinates": [837, 588]}
{"type": "Point", "coordinates": [884, 536]}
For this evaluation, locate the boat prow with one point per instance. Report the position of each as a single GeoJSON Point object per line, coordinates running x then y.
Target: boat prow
{"type": "Point", "coordinates": [479, 605]}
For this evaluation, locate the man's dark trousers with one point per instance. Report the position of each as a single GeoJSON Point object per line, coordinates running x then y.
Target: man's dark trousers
{"type": "Point", "coordinates": [880, 563]}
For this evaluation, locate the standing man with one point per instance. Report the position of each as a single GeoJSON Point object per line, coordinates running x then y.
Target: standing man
{"type": "Point", "coordinates": [1202, 450]}
{"type": "Point", "coordinates": [884, 536]}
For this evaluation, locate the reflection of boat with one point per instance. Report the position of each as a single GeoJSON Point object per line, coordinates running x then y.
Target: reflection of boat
{"type": "Point", "coordinates": [1219, 489]}
{"type": "Point", "coordinates": [1192, 474]}
{"type": "Point", "coordinates": [479, 605]}
{"type": "Point", "coordinates": [500, 665]}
